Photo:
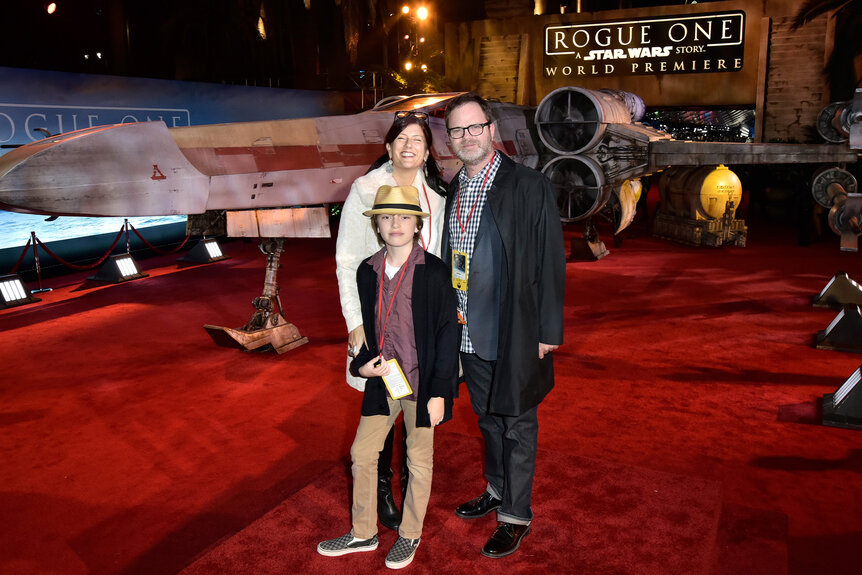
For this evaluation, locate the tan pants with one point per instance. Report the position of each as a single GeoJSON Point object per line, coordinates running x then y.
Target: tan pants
{"type": "Point", "coordinates": [366, 448]}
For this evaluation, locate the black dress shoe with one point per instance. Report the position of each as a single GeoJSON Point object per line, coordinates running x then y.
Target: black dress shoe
{"type": "Point", "coordinates": [505, 540]}
{"type": "Point", "coordinates": [387, 511]}
{"type": "Point", "coordinates": [479, 507]}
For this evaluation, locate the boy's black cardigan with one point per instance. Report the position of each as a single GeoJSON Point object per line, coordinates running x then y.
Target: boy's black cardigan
{"type": "Point", "coordinates": [435, 324]}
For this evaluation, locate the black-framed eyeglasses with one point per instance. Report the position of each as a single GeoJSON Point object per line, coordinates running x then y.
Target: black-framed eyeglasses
{"type": "Point", "coordinates": [474, 129]}
{"type": "Point", "coordinates": [404, 113]}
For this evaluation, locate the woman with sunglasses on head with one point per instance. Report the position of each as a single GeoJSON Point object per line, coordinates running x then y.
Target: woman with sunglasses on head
{"type": "Point", "coordinates": [407, 162]}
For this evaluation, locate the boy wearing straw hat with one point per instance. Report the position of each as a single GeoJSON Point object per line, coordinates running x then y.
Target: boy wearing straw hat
{"type": "Point", "coordinates": [410, 360]}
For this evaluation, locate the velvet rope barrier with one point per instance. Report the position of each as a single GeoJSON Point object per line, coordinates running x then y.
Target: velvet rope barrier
{"type": "Point", "coordinates": [154, 248]}
{"type": "Point", "coordinates": [36, 241]}
{"type": "Point", "coordinates": [21, 259]}
{"type": "Point", "coordinates": [87, 267]}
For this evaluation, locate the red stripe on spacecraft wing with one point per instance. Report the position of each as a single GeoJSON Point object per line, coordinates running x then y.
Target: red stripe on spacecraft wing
{"type": "Point", "coordinates": [224, 161]}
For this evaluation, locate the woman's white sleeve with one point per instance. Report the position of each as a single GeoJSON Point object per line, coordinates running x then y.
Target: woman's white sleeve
{"type": "Point", "coordinates": [350, 250]}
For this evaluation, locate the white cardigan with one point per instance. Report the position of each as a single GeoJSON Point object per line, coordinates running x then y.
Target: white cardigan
{"type": "Point", "coordinates": [357, 240]}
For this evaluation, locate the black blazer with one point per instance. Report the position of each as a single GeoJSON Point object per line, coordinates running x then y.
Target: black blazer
{"type": "Point", "coordinates": [435, 325]}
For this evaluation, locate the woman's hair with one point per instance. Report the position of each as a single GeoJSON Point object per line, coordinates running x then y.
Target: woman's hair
{"type": "Point", "coordinates": [432, 171]}
{"type": "Point", "coordinates": [419, 223]}
{"type": "Point", "coordinates": [401, 123]}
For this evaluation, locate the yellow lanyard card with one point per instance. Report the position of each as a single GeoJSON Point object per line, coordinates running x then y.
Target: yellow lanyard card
{"type": "Point", "coordinates": [459, 270]}
{"type": "Point", "coordinates": [396, 382]}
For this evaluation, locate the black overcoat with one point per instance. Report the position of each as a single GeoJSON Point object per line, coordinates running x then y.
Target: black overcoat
{"type": "Point", "coordinates": [523, 214]}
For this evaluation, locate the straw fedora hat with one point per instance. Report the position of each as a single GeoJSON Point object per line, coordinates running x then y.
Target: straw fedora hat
{"type": "Point", "coordinates": [397, 200]}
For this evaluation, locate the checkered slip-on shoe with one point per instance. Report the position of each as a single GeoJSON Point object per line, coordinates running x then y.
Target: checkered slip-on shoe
{"type": "Point", "coordinates": [402, 553]}
{"type": "Point", "coordinates": [346, 544]}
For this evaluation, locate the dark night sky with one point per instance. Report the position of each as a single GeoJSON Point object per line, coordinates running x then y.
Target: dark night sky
{"type": "Point", "coordinates": [204, 40]}
{"type": "Point", "coordinates": [216, 40]}
{"type": "Point", "coordinates": [210, 40]}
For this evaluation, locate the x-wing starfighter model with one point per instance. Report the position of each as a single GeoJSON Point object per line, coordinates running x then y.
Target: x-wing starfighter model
{"type": "Point", "coordinates": [274, 179]}
{"type": "Point", "coordinates": [271, 179]}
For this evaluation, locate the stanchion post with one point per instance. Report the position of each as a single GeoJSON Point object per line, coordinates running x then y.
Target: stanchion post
{"type": "Point", "coordinates": [38, 265]}
{"type": "Point", "coordinates": [126, 226]}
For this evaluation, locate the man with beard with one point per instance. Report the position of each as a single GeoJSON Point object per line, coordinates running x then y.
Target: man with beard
{"type": "Point", "coordinates": [504, 243]}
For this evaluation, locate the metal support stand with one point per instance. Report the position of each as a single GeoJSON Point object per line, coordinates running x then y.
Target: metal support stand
{"type": "Point", "coordinates": [589, 247]}
{"type": "Point", "coordinates": [266, 327]}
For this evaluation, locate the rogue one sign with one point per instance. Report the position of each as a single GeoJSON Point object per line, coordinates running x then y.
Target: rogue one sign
{"type": "Point", "coordinates": [682, 44]}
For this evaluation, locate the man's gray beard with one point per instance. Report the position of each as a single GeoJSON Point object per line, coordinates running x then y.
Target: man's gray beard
{"type": "Point", "coordinates": [479, 157]}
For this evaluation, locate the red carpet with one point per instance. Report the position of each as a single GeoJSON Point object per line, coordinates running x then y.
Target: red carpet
{"type": "Point", "coordinates": [683, 435]}
{"type": "Point", "coordinates": [603, 518]}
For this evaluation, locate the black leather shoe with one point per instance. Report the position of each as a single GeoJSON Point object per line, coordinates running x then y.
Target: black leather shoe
{"type": "Point", "coordinates": [387, 511]}
{"type": "Point", "coordinates": [479, 507]}
{"type": "Point", "coordinates": [505, 540]}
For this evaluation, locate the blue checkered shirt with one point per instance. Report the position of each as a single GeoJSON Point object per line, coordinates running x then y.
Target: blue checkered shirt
{"type": "Point", "coordinates": [471, 191]}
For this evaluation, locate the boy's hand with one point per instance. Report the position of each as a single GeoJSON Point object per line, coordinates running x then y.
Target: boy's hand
{"type": "Point", "coordinates": [436, 409]}
{"type": "Point", "coordinates": [369, 369]}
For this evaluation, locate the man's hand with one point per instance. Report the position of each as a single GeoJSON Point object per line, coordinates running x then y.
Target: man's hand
{"type": "Point", "coordinates": [368, 370]}
{"type": "Point", "coordinates": [545, 349]}
{"type": "Point", "coordinates": [436, 409]}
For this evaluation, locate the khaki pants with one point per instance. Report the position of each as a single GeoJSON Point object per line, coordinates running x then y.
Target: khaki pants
{"type": "Point", "coordinates": [366, 448]}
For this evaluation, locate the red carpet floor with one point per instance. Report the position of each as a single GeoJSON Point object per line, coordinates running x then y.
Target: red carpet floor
{"type": "Point", "coordinates": [683, 435]}
{"type": "Point", "coordinates": [607, 518]}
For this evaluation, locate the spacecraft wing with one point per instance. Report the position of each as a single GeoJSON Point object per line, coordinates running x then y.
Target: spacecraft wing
{"type": "Point", "coordinates": [145, 168]}
{"type": "Point", "coordinates": [118, 170]}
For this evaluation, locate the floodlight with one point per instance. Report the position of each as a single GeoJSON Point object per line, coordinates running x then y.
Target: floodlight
{"type": "Point", "coordinates": [840, 291]}
{"type": "Point", "coordinates": [118, 269]}
{"type": "Point", "coordinates": [844, 333]}
{"type": "Point", "coordinates": [13, 292]}
{"type": "Point", "coordinates": [205, 251]}
{"type": "Point", "coordinates": [844, 407]}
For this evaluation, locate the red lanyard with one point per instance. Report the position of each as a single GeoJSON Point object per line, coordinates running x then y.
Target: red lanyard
{"type": "Point", "coordinates": [391, 301]}
{"type": "Point", "coordinates": [430, 225]}
{"type": "Point", "coordinates": [475, 203]}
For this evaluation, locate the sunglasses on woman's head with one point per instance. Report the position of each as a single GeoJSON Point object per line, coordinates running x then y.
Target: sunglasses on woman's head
{"type": "Point", "coordinates": [404, 113]}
